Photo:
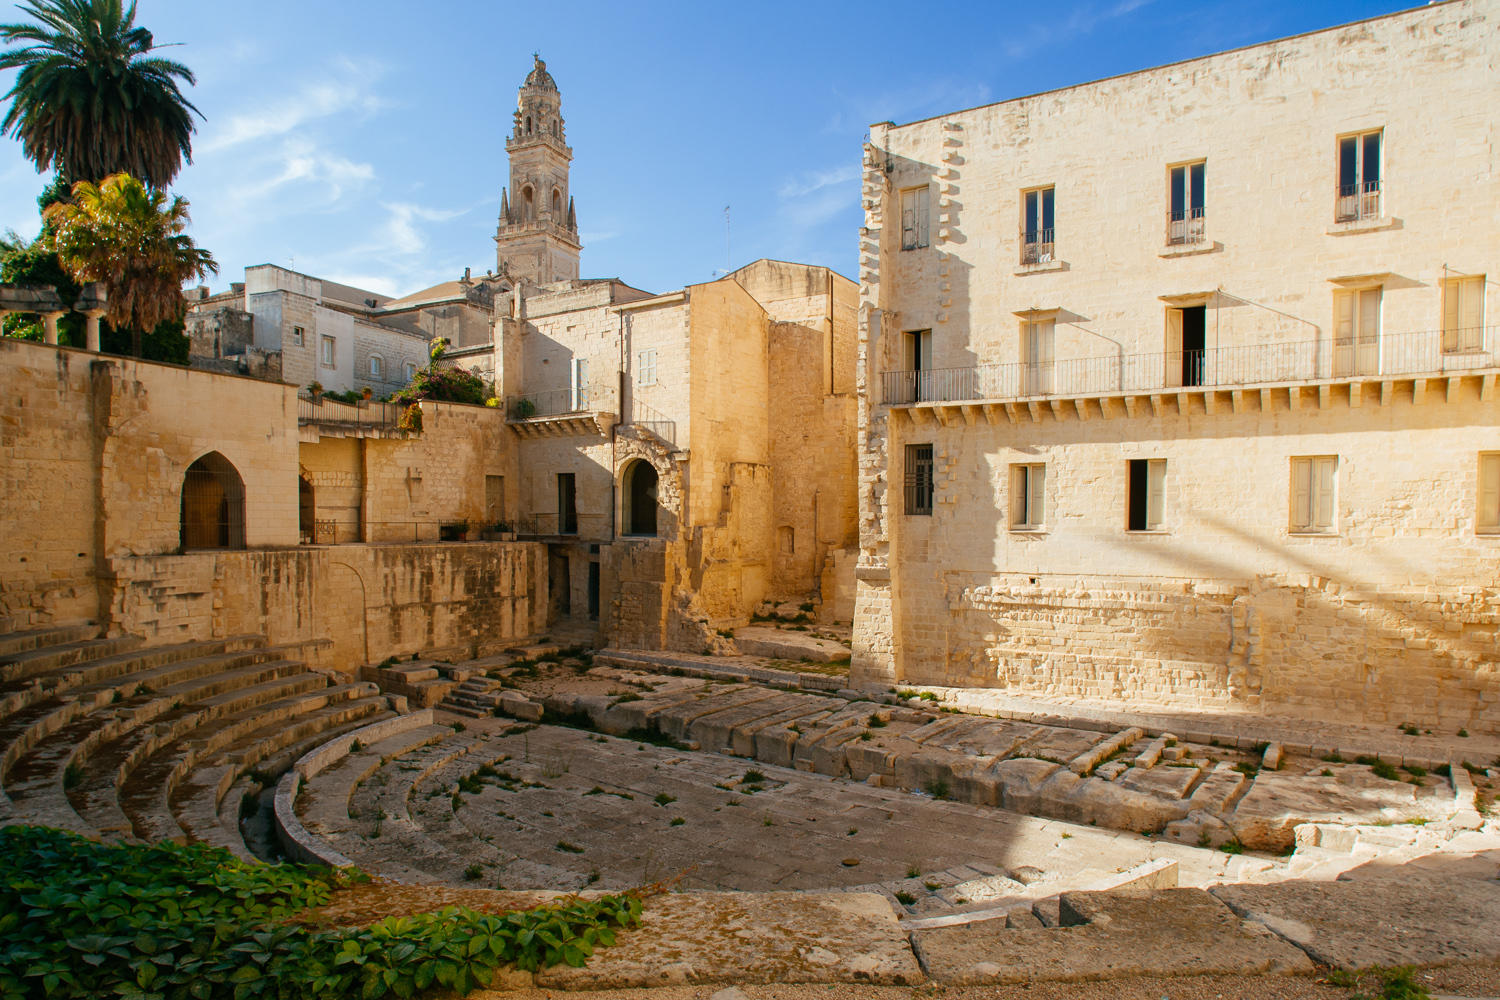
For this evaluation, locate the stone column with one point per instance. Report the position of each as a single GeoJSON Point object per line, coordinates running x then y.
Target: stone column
{"type": "Point", "coordinates": [91, 334]}
{"type": "Point", "coordinates": [49, 325]}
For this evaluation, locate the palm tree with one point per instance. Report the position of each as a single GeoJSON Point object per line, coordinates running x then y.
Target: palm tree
{"type": "Point", "coordinates": [87, 101]}
{"type": "Point", "coordinates": [133, 240]}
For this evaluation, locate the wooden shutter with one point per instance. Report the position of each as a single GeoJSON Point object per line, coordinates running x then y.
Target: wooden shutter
{"type": "Point", "coordinates": [908, 220]}
{"type": "Point", "coordinates": [1035, 493]}
{"type": "Point", "coordinates": [1489, 491]}
{"type": "Point", "coordinates": [1323, 492]}
{"type": "Point", "coordinates": [1301, 494]}
{"type": "Point", "coordinates": [1156, 476]}
{"type": "Point", "coordinates": [1452, 295]}
{"type": "Point", "coordinates": [923, 216]}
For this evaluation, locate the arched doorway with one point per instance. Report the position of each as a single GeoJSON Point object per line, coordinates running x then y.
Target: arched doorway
{"type": "Point", "coordinates": [213, 505]}
{"type": "Point", "coordinates": [640, 498]}
{"type": "Point", "coordinates": [307, 509]}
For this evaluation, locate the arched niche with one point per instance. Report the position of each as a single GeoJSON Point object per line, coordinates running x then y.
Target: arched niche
{"type": "Point", "coordinates": [642, 509]}
{"type": "Point", "coordinates": [213, 505]}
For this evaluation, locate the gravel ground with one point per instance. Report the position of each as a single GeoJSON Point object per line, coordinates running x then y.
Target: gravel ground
{"type": "Point", "coordinates": [1469, 980]}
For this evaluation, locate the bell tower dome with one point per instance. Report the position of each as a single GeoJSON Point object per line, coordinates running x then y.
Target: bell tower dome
{"type": "Point", "coordinates": [537, 237]}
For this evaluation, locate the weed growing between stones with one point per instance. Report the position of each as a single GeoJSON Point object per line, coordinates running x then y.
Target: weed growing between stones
{"type": "Point", "coordinates": [905, 898]}
{"type": "Point", "coordinates": [179, 922]}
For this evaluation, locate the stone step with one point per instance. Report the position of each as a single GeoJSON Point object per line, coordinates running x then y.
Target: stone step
{"type": "Point", "coordinates": [782, 644]}
{"type": "Point", "coordinates": [56, 635]}
{"type": "Point", "coordinates": [35, 662]}
{"type": "Point", "coordinates": [207, 806]}
{"type": "Point", "coordinates": [97, 797]}
{"type": "Point", "coordinates": [201, 785]}
{"type": "Point", "coordinates": [145, 793]}
{"type": "Point", "coordinates": [95, 676]}
{"type": "Point", "coordinates": [324, 803]}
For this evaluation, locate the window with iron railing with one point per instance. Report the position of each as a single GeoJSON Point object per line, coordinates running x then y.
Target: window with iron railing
{"type": "Point", "coordinates": [1359, 177]}
{"type": "Point", "coordinates": [919, 479]}
{"type": "Point", "coordinates": [1038, 234]}
{"type": "Point", "coordinates": [1186, 214]}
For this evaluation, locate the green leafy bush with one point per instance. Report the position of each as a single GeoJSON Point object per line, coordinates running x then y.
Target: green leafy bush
{"type": "Point", "coordinates": [167, 922]}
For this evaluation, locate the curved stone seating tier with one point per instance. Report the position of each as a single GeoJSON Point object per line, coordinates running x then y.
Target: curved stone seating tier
{"type": "Point", "coordinates": [242, 739]}
{"type": "Point", "coordinates": [97, 798]}
{"type": "Point", "coordinates": [36, 782]}
{"type": "Point", "coordinates": [56, 635]}
{"type": "Point", "coordinates": [109, 737]}
{"type": "Point", "coordinates": [52, 701]}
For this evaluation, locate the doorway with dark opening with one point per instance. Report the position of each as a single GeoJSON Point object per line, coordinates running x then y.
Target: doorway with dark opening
{"type": "Point", "coordinates": [1194, 344]}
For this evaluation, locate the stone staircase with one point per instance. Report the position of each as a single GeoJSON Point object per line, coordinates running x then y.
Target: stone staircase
{"type": "Point", "coordinates": [107, 737]}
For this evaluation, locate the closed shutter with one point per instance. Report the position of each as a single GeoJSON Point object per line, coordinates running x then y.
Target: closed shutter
{"type": "Point", "coordinates": [1323, 492]}
{"type": "Point", "coordinates": [1156, 476]}
{"type": "Point", "coordinates": [1452, 296]}
{"type": "Point", "coordinates": [1036, 482]}
{"type": "Point", "coordinates": [908, 220]}
{"type": "Point", "coordinates": [1489, 491]}
{"type": "Point", "coordinates": [1344, 317]}
{"type": "Point", "coordinates": [1471, 315]}
{"type": "Point", "coordinates": [1301, 493]}
{"type": "Point", "coordinates": [922, 217]}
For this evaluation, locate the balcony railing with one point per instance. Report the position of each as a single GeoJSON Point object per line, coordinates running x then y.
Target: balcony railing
{"type": "Point", "coordinates": [333, 415]}
{"type": "Point", "coordinates": [1356, 202]}
{"type": "Point", "coordinates": [1427, 352]}
{"type": "Point", "coordinates": [1037, 246]}
{"type": "Point", "coordinates": [558, 402]}
{"type": "Point", "coordinates": [652, 420]}
{"type": "Point", "coordinates": [1185, 227]}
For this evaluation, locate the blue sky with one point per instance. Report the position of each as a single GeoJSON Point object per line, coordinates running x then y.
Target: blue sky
{"type": "Point", "coordinates": [365, 142]}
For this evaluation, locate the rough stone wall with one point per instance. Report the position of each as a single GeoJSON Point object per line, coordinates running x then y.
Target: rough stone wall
{"type": "Point", "coordinates": [396, 350]}
{"type": "Point", "coordinates": [587, 457]}
{"type": "Point", "coordinates": [372, 601]}
{"type": "Point", "coordinates": [417, 484]}
{"type": "Point", "coordinates": [48, 481]}
{"type": "Point", "coordinates": [96, 452]}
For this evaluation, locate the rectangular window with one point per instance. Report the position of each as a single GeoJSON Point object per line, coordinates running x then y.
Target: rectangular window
{"type": "Point", "coordinates": [1359, 177]}
{"type": "Point", "coordinates": [297, 336]}
{"type": "Point", "coordinates": [411, 371]}
{"type": "Point", "coordinates": [1313, 491]}
{"type": "Point", "coordinates": [914, 216]}
{"type": "Point", "coordinates": [327, 356]}
{"type": "Point", "coordinates": [580, 385]}
{"type": "Point", "coordinates": [1145, 483]}
{"type": "Point", "coordinates": [1463, 314]}
{"type": "Point", "coordinates": [1356, 332]}
{"type": "Point", "coordinates": [1028, 485]}
{"type": "Point", "coordinates": [376, 367]}
{"type": "Point", "coordinates": [567, 504]}
{"type": "Point", "coordinates": [1185, 217]}
{"type": "Point", "coordinates": [1489, 492]}
{"type": "Point", "coordinates": [645, 368]}
{"type": "Point", "coordinates": [1037, 231]}
{"type": "Point", "coordinates": [919, 479]}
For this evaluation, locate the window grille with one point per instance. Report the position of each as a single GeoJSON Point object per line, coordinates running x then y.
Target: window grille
{"type": "Point", "coordinates": [919, 479]}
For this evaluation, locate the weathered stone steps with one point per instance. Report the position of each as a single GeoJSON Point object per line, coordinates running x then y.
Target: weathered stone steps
{"type": "Point", "coordinates": [13, 643]}
{"type": "Point", "coordinates": [45, 659]}
{"type": "Point", "coordinates": [246, 738]}
{"type": "Point", "coordinates": [97, 797]}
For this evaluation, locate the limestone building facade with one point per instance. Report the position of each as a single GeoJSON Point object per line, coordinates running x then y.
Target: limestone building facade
{"type": "Point", "coordinates": [685, 456]}
{"type": "Point", "coordinates": [1179, 388]}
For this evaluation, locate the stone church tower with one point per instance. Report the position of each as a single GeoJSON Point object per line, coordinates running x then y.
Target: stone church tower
{"type": "Point", "coordinates": [538, 233]}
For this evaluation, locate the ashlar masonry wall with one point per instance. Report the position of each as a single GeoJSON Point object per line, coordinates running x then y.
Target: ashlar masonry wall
{"type": "Point", "coordinates": [1389, 617]}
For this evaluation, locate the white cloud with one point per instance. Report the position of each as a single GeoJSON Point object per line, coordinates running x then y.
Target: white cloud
{"type": "Point", "coordinates": [347, 89]}
{"type": "Point", "coordinates": [1054, 32]}
{"type": "Point", "coordinates": [400, 233]}
{"type": "Point", "coordinates": [813, 181]}
{"type": "Point", "coordinates": [302, 162]}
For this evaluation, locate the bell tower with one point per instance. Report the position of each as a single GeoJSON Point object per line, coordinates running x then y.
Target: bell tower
{"type": "Point", "coordinates": [537, 237]}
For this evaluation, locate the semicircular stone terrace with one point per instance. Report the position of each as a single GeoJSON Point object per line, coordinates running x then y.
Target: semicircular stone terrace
{"type": "Point", "coordinates": [635, 777]}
